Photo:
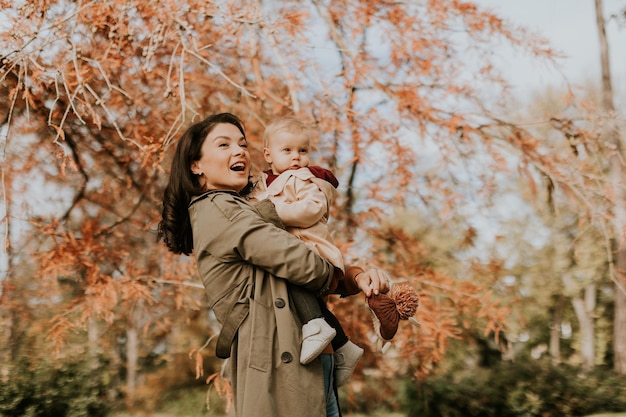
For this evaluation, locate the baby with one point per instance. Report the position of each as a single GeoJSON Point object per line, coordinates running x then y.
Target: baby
{"type": "Point", "coordinates": [303, 195]}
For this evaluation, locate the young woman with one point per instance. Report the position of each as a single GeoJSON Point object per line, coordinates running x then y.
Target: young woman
{"type": "Point", "coordinates": [245, 260]}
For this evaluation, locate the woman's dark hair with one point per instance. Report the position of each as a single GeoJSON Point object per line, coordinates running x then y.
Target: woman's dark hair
{"type": "Point", "coordinates": [183, 185]}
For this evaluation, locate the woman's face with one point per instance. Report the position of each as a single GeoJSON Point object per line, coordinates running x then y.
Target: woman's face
{"type": "Point", "coordinates": [225, 160]}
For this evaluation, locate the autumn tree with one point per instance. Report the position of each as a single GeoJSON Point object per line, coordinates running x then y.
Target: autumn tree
{"type": "Point", "coordinates": [405, 98]}
{"type": "Point", "coordinates": [615, 155]}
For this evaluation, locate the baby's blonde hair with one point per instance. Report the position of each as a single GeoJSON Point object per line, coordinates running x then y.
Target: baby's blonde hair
{"type": "Point", "coordinates": [290, 124]}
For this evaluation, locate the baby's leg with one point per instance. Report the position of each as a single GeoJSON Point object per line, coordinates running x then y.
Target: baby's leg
{"type": "Point", "coordinates": [316, 332]}
{"type": "Point", "coordinates": [347, 354]}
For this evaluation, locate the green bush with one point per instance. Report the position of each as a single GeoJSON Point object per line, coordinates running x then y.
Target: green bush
{"type": "Point", "coordinates": [66, 389]}
{"type": "Point", "coordinates": [375, 396]}
{"type": "Point", "coordinates": [521, 389]}
{"type": "Point", "coordinates": [191, 401]}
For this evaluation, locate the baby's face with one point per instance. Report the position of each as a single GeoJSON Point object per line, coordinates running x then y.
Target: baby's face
{"type": "Point", "coordinates": [287, 151]}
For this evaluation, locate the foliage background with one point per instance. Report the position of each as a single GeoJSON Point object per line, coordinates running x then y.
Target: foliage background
{"type": "Point", "coordinates": [410, 108]}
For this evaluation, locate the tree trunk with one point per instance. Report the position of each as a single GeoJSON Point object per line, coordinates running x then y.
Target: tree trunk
{"type": "Point", "coordinates": [584, 309]}
{"type": "Point", "coordinates": [588, 344]}
{"type": "Point", "coordinates": [616, 175]}
{"type": "Point", "coordinates": [7, 320]}
{"type": "Point", "coordinates": [93, 336]}
{"type": "Point", "coordinates": [555, 330]}
{"type": "Point", "coordinates": [132, 355]}
{"type": "Point", "coordinates": [619, 324]}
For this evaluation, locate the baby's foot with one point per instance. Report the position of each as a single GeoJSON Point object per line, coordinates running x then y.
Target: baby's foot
{"type": "Point", "coordinates": [316, 335]}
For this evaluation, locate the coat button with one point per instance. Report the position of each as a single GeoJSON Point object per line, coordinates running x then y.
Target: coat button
{"type": "Point", "coordinates": [286, 357]}
{"type": "Point", "coordinates": [280, 303]}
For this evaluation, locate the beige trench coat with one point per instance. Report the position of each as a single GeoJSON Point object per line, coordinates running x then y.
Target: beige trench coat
{"type": "Point", "coordinates": [243, 259]}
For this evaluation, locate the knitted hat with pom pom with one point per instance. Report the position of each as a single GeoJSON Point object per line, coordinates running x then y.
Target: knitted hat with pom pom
{"type": "Point", "coordinates": [388, 309]}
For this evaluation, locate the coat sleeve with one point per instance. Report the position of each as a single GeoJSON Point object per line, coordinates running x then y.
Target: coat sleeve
{"type": "Point", "coordinates": [347, 283]}
{"type": "Point", "coordinates": [235, 232]}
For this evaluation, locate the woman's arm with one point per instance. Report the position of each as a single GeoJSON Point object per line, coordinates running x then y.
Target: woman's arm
{"type": "Point", "coordinates": [372, 281]}
{"type": "Point", "coordinates": [235, 232]}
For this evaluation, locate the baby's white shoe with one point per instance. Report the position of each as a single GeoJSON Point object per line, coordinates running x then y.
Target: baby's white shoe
{"type": "Point", "coordinates": [316, 335]}
{"type": "Point", "coordinates": [346, 358]}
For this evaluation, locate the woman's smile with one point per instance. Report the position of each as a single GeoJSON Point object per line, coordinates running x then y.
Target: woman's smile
{"type": "Point", "coordinates": [225, 160]}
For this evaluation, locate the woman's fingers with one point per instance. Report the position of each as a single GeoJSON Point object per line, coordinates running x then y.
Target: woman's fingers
{"type": "Point", "coordinates": [373, 281]}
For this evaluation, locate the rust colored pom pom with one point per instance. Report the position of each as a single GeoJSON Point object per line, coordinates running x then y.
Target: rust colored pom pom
{"type": "Point", "coordinates": [406, 300]}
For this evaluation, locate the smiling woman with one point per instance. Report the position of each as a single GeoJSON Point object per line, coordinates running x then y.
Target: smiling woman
{"type": "Point", "coordinates": [197, 152]}
{"type": "Point", "coordinates": [245, 261]}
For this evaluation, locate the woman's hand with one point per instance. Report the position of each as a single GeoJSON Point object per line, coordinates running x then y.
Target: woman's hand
{"type": "Point", "coordinates": [373, 282]}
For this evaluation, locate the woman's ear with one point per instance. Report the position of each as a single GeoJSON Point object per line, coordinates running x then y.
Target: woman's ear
{"type": "Point", "coordinates": [195, 168]}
